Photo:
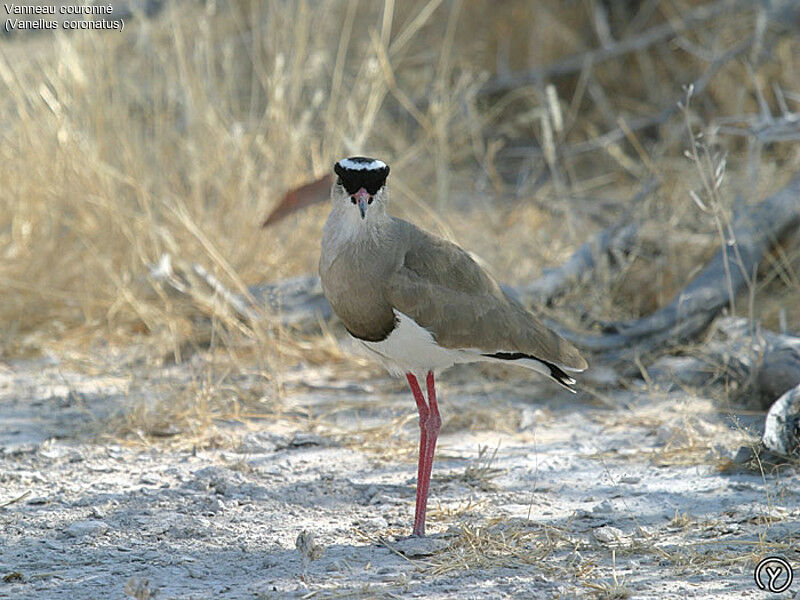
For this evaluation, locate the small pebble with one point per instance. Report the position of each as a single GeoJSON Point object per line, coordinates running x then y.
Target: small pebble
{"type": "Point", "coordinates": [414, 547]}
{"type": "Point", "coordinates": [86, 528]}
{"type": "Point", "coordinates": [604, 507]}
{"type": "Point", "coordinates": [608, 534]}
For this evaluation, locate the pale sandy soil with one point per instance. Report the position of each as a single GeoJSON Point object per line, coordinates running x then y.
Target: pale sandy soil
{"type": "Point", "coordinates": [574, 497]}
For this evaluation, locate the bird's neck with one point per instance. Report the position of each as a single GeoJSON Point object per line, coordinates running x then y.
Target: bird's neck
{"type": "Point", "coordinates": [345, 229]}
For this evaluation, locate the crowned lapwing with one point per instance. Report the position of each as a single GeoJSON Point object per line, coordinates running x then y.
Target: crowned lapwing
{"type": "Point", "coordinates": [419, 304]}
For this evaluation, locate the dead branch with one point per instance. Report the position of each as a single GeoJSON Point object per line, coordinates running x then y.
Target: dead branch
{"type": "Point", "coordinates": [610, 243]}
{"type": "Point", "coordinates": [616, 239]}
{"type": "Point", "coordinates": [654, 35]}
{"type": "Point", "coordinates": [620, 133]}
{"type": "Point", "coordinates": [766, 131]}
{"type": "Point", "coordinates": [755, 230]}
{"type": "Point", "coordinates": [296, 302]}
{"type": "Point", "coordinates": [299, 302]}
{"type": "Point", "coordinates": [755, 364]}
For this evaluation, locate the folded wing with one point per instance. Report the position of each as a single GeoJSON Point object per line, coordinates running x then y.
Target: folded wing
{"type": "Point", "coordinates": [445, 291]}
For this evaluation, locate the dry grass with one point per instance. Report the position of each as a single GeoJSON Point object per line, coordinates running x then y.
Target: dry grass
{"type": "Point", "coordinates": [457, 511]}
{"type": "Point", "coordinates": [563, 554]}
{"type": "Point", "coordinates": [178, 134]}
{"type": "Point", "coordinates": [184, 413]}
{"type": "Point", "coordinates": [498, 543]}
{"type": "Point", "coordinates": [479, 472]}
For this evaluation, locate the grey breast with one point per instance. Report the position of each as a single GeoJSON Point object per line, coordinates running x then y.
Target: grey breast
{"type": "Point", "coordinates": [354, 283]}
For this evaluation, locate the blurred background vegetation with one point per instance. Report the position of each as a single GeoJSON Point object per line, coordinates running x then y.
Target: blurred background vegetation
{"type": "Point", "coordinates": [518, 128]}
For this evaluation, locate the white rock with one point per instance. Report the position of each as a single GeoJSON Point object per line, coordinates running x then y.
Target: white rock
{"type": "Point", "coordinates": [415, 547]}
{"type": "Point", "coordinates": [782, 427]}
{"type": "Point", "coordinates": [86, 528]}
{"type": "Point", "coordinates": [630, 479]}
{"type": "Point", "coordinates": [604, 507]}
{"type": "Point", "coordinates": [608, 534]}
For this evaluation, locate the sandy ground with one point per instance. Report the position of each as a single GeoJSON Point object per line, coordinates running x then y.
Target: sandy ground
{"type": "Point", "coordinates": [535, 494]}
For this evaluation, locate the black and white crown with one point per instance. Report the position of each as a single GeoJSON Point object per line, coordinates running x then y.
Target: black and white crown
{"type": "Point", "coordinates": [356, 172]}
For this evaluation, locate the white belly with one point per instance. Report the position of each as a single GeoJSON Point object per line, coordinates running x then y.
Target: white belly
{"type": "Point", "coordinates": [410, 348]}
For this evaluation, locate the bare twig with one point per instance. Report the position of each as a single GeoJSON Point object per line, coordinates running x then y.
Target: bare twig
{"type": "Point", "coordinates": [15, 500]}
{"type": "Point", "coordinates": [755, 229]}
{"type": "Point", "coordinates": [556, 282]}
{"type": "Point", "coordinates": [652, 36]}
{"type": "Point", "coordinates": [635, 124]}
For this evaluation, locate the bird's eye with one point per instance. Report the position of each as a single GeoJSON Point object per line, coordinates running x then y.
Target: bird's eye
{"type": "Point", "coordinates": [339, 181]}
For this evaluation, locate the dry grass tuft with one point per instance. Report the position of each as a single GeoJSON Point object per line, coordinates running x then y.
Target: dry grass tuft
{"type": "Point", "coordinates": [176, 135]}
{"type": "Point", "coordinates": [613, 590]}
{"type": "Point", "coordinates": [479, 472]}
{"type": "Point", "coordinates": [448, 513]}
{"type": "Point", "coordinates": [680, 520]}
{"type": "Point", "coordinates": [498, 543]}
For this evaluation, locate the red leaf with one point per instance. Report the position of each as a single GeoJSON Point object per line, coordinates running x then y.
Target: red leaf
{"type": "Point", "coordinates": [307, 194]}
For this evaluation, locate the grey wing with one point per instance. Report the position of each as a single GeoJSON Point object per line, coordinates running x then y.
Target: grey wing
{"type": "Point", "coordinates": [445, 291]}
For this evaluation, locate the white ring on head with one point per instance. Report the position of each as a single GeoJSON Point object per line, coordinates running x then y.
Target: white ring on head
{"type": "Point", "coordinates": [372, 165]}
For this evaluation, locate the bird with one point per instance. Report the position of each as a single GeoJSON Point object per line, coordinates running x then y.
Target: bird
{"type": "Point", "coordinates": [418, 304]}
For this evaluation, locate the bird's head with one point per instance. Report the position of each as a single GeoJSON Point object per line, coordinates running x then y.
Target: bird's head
{"type": "Point", "coordinates": [360, 185]}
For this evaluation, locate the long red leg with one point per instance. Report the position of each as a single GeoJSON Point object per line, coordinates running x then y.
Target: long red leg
{"type": "Point", "coordinates": [424, 412]}
{"type": "Point", "coordinates": [429, 424]}
{"type": "Point", "coordinates": [433, 424]}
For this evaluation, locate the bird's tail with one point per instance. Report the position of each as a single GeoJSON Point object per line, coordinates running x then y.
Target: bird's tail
{"type": "Point", "coordinates": [552, 370]}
